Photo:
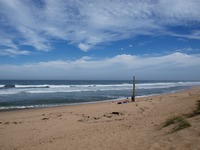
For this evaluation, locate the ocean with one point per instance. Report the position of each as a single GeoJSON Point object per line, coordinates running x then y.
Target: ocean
{"type": "Point", "coordinates": [21, 94]}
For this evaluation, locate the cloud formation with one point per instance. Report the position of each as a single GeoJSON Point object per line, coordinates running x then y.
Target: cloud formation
{"type": "Point", "coordinates": [13, 52]}
{"type": "Point", "coordinates": [173, 66]}
{"type": "Point", "coordinates": [88, 23]}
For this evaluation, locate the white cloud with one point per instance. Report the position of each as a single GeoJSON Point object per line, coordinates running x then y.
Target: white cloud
{"type": "Point", "coordinates": [7, 42]}
{"type": "Point", "coordinates": [173, 66]}
{"type": "Point", "coordinates": [31, 37]}
{"type": "Point", "coordinates": [178, 11]}
{"type": "Point", "coordinates": [86, 23]}
{"type": "Point", "coordinates": [188, 50]}
{"type": "Point", "coordinates": [192, 35]}
{"type": "Point", "coordinates": [84, 47]}
{"type": "Point", "coordinates": [130, 45]}
{"type": "Point", "coordinates": [14, 52]}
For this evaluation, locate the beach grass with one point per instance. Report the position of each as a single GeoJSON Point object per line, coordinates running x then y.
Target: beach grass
{"type": "Point", "coordinates": [170, 121]}
{"type": "Point", "coordinates": [196, 111]}
{"type": "Point", "coordinates": [179, 123]}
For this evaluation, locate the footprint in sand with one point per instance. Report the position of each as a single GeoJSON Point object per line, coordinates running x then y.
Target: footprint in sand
{"type": "Point", "coordinates": [7, 123]}
{"type": "Point", "coordinates": [141, 110]}
{"type": "Point", "coordinates": [59, 115]}
{"type": "Point", "coordinates": [110, 115]}
{"type": "Point", "coordinates": [84, 118]}
{"type": "Point", "coordinates": [45, 118]}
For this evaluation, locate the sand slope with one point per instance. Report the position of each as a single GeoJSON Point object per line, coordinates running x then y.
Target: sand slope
{"type": "Point", "coordinates": [102, 126]}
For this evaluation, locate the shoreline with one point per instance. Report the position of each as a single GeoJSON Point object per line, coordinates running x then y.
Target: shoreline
{"type": "Point", "coordinates": [104, 125]}
{"type": "Point", "coordinates": [84, 103]}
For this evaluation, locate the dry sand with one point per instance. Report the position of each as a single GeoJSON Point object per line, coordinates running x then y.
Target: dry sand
{"type": "Point", "coordinates": [131, 126]}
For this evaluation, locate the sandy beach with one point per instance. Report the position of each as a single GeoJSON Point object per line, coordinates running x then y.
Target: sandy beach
{"type": "Point", "coordinates": [131, 126]}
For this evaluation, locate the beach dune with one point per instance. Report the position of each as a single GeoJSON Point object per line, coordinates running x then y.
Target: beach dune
{"type": "Point", "coordinates": [136, 125]}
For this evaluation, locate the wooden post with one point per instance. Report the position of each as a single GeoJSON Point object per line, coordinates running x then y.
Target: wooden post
{"type": "Point", "coordinates": [133, 96]}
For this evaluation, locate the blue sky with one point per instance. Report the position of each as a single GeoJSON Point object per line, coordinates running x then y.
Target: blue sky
{"type": "Point", "coordinates": [100, 39]}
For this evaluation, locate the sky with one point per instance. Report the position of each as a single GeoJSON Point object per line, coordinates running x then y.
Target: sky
{"type": "Point", "coordinates": [100, 39]}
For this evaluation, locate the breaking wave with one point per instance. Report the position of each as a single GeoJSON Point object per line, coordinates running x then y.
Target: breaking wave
{"type": "Point", "coordinates": [47, 88]}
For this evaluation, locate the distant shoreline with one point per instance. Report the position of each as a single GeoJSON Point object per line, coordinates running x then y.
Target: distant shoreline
{"type": "Point", "coordinates": [19, 94]}
{"type": "Point", "coordinates": [91, 102]}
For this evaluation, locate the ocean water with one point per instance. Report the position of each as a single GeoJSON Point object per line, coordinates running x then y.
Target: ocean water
{"type": "Point", "coordinates": [20, 94]}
